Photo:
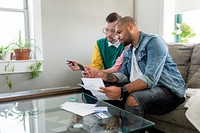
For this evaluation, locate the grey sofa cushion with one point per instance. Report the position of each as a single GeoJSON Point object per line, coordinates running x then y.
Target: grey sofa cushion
{"type": "Point", "coordinates": [176, 117]}
{"type": "Point", "coordinates": [184, 51]}
{"type": "Point", "coordinates": [194, 81]}
{"type": "Point", "coordinates": [195, 62]}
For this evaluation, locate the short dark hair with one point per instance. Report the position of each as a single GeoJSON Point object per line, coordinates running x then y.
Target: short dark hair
{"type": "Point", "coordinates": [126, 20]}
{"type": "Point", "coordinates": [112, 17]}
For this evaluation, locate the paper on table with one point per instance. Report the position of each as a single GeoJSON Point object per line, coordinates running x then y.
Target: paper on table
{"type": "Point", "coordinates": [82, 105]}
{"type": "Point", "coordinates": [93, 84]}
{"type": "Point", "coordinates": [81, 109]}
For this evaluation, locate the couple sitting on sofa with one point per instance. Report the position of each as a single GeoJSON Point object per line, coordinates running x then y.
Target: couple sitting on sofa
{"type": "Point", "coordinates": [156, 86]}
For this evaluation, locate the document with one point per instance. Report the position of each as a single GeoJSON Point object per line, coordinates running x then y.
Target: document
{"type": "Point", "coordinates": [82, 109]}
{"type": "Point", "coordinates": [93, 84]}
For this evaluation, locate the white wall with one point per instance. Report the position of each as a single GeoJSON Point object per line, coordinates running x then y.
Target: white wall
{"type": "Point", "coordinates": [69, 30]}
{"type": "Point", "coordinates": [147, 15]}
{"type": "Point", "coordinates": [156, 16]}
{"type": "Point", "coordinates": [186, 5]}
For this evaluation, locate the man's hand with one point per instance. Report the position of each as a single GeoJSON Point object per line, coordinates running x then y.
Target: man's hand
{"type": "Point", "coordinates": [96, 73]}
{"type": "Point", "coordinates": [92, 72]}
{"type": "Point", "coordinates": [111, 92]}
{"type": "Point", "coordinates": [72, 64]}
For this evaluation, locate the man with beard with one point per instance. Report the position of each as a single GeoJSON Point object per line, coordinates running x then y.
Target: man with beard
{"type": "Point", "coordinates": [155, 84]}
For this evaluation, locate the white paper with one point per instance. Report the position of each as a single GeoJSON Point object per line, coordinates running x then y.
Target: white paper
{"type": "Point", "coordinates": [81, 109]}
{"type": "Point", "coordinates": [82, 105]}
{"type": "Point", "coordinates": [94, 84]}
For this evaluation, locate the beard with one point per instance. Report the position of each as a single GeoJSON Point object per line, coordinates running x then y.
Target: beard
{"type": "Point", "coordinates": [127, 39]}
{"type": "Point", "coordinates": [125, 43]}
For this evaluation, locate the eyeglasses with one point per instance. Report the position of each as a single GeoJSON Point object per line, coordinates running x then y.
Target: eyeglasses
{"type": "Point", "coordinates": [106, 31]}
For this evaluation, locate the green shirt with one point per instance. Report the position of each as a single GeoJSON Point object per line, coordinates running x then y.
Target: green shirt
{"type": "Point", "coordinates": [108, 53]}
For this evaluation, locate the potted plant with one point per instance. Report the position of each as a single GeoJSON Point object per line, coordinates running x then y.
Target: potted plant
{"type": "Point", "coordinates": [34, 69]}
{"type": "Point", "coordinates": [184, 31]}
{"type": "Point", "coordinates": [9, 69]}
{"type": "Point", "coordinates": [22, 48]}
{"type": "Point", "coordinates": [4, 53]}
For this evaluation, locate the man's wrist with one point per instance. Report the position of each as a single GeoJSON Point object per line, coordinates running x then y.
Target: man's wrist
{"type": "Point", "coordinates": [110, 77]}
{"type": "Point", "coordinates": [124, 92]}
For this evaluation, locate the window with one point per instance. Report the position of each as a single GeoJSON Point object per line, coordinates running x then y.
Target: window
{"type": "Point", "coordinates": [20, 15]}
{"type": "Point", "coordinates": [191, 18]}
{"type": "Point", "coordinates": [15, 19]}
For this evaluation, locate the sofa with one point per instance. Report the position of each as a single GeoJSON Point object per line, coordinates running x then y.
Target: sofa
{"type": "Point", "coordinates": [187, 58]}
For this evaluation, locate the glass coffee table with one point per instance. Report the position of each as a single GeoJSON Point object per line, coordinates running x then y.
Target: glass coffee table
{"type": "Point", "coordinates": [44, 115]}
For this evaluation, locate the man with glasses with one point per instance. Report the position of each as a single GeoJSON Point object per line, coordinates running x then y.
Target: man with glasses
{"type": "Point", "coordinates": [107, 50]}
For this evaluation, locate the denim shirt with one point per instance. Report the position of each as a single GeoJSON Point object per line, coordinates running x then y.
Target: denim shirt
{"type": "Point", "coordinates": [155, 63]}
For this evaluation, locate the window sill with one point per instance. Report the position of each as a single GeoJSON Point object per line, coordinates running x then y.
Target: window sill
{"type": "Point", "coordinates": [20, 66]}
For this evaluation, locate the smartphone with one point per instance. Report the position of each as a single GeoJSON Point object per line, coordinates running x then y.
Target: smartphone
{"type": "Point", "coordinates": [81, 67]}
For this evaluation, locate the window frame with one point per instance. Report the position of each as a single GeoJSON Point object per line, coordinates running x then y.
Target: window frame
{"type": "Point", "coordinates": [178, 19]}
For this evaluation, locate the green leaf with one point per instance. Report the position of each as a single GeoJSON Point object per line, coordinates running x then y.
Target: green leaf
{"type": "Point", "coordinates": [185, 34]}
{"type": "Point", "coordinates": [192, 35]}
{"type": "Point", "coordinates": [184, 40]}
{"type": "Point", "coordinates": [174, 32]}
{"type": "Point", "coordinates": [184, 27]}
{"type": "Point", "coordinates": [184, 31]}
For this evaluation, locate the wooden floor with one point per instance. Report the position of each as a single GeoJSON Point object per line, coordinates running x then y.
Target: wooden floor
{"type": "Point", "coordinates": [13, 96]}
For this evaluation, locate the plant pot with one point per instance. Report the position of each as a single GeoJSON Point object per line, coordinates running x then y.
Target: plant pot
{"type": "Point", "coordinates": [22, 54]}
